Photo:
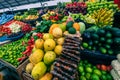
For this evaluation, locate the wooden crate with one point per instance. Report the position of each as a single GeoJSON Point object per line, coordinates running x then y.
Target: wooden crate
{"type": "Point", "coordinates": [21, 71]}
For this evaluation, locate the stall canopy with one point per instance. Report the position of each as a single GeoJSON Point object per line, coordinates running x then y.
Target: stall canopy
{"type": "Point", "coordinates": [13, 3]}
{"type": "Point", "coordinates": [7, 5]}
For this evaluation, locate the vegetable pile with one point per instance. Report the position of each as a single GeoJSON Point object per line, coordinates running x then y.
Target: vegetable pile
{"type": "Point", "coordinates": [88, 71]}
{"type": "Point", "coordinates": [106, 40]}
{"type": "Point", "coordinates": [10, 52]}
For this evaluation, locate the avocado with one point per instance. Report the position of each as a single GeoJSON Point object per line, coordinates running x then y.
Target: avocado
{"type": "Point", "coordinates": [69, 24]}
{"type": "Point", "coordinates": [72, 30]}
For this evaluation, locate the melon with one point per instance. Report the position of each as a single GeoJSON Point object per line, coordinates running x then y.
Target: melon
{"type": "Point", "coordinates": [82, 27]}
{"type": "Point", "coordinates": [49, 44]}
{"type": "Point", "coordinates": [57, 32]}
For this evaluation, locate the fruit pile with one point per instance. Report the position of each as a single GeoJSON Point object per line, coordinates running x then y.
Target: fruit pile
{"type": "Point", "coordinates": [31, 14]}
{"type": "Point", "coordinates": [91, 7]}
{"type": "Point", "coordinates": [88, 71]}
{"type": "Point", "coordinates": [101, 17]}
{"type": "Point", "coordinates": [52, 15]}
{"type": "Point", "coordinates": [65, 67]}
{"type": "Point", "coordinates": [13, 27]}
{"type": "Point", "coordinates": [10, 52]}
{"type": "Point", "coordinates": [76, 7]}
{"type": "Point", "coordinates": [45, 51]}
{"type": "Point", "coordinates": [105, 40]}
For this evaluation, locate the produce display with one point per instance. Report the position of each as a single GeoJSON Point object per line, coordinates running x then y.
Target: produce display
{"type": "Point", "coordinates": [12, 51]}
{"type": "Point", "coordinates": [80, 7]}
{"type": "Point", "coordinates": [52, 15]}
{"type": "Point", "coordinates": [31, 14]}
{"type": "Point", "coordinates": [72, 41]}
{"type": "Point", "coordinates": [88, 71]}
{"type": "Point", "coordinates": [13, 27]}
{"type": "Point", "coordinates": [91, 7]}
{"type": "Point", "coordinates": [105, 40]}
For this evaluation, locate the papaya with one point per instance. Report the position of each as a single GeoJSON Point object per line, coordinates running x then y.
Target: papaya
{"type": "Point", "coordinates": [47, 76]}
{"type": "Point", "coordinates": [36, 56]}
{"type": "Point", "coordinates": [39, 70]}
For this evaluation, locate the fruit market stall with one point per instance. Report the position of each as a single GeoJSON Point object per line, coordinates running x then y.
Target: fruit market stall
{"type": "Point", "coordinates": [73, 41]}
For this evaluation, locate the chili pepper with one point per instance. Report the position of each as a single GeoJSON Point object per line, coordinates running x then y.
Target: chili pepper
{"type": "Point", "coordinates": [28, 49]}
{"type": "Point", "coordinates": [22, 58]}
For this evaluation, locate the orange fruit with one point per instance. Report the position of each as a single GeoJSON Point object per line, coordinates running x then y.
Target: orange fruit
{"type": "Point", "coordinates": [76, 26]}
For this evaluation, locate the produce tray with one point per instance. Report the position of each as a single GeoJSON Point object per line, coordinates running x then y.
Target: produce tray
{"type": "Point", "coordinates": [21, 71]}
{"type": "Point", "coordinates": [6, 38]}
{"type": "Point", "coordinates": [96, 57]}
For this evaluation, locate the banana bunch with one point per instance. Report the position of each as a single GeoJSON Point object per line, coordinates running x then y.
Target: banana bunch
{"type": "Point", "coordinates": [103, 17]}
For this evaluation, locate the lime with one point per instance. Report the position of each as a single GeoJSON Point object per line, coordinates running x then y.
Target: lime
{"type": "Point", "coordinates": [95, 77]}
{"type": "Point", "coordinates": [88, 69]}
{"type": "Point", "coordinates": [97, 72]}
{"type": "Point", "coordinates": [85, 45]}
{"type": "Point", "coordinates": [82, 78]}
{"type": "Point", "coordinates": [81, 69]}
{"type": "Point", "coordinates": [103, 77]}
{"type": "Point", "coordinates": [69, 24]}
{"type": "Point", "coordinates": [109, 77]}
{"type": "Point", "coordinates": [88, 76]}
